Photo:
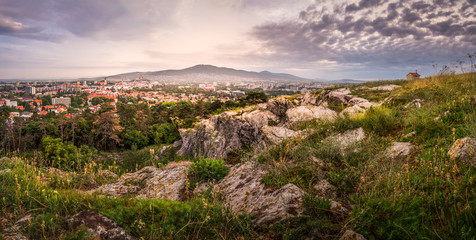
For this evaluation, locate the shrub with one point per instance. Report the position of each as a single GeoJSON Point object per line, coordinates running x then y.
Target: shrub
{"type": "Point", "coordinates": [208, 169]}
{"type": "Point", "coordinates": [134, 159]}
{"type": "Point", "coordinates": [135, 138]}
{"type": "Point", "coordinates": [164, 133]}
{"type": "Point", "coordinates": [380, 120]}
{"type": "Point", "coordinates": [66, 156]}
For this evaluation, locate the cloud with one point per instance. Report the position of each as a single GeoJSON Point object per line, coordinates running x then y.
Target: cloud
{"type": "Point", "coordinates": [374, 32]}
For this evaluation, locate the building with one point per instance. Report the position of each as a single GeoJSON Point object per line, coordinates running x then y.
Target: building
{"type": "Point", "coordinates": [62, 100]}
{"type": "Point", "coordinates": [30, 90]}
{"type": "Point", "coordinates": [413, 76]}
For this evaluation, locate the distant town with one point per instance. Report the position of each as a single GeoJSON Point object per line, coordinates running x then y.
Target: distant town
{"type": "Point", "coordinates": [26, 98]}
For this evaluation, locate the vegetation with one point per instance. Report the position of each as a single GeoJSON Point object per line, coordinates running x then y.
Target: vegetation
{"type": "Point", "coordinates": [425, 195]}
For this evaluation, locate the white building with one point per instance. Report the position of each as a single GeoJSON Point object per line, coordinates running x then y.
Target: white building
{"type": "Point", "coordinates": [62, 100]}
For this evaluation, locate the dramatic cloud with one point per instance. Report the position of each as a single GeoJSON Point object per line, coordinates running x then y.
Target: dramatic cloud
{"type": "Point", "coordinates": [378, 33]}
{"type": "Point", "coordinates": [310, 38]}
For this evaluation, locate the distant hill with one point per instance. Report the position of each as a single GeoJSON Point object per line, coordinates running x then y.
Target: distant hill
{"type": "Point", "coordinates": [206, 73]}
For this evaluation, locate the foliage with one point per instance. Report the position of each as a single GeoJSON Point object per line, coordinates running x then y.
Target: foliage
{"type": "Point", "coordinates": [206, 169]}
{"type": "Point", "coordinates": [134, 139]}
{"type": "Point", "coordinates": [66, 156]}
{"type": "Point", "coordinates": [165, 133]}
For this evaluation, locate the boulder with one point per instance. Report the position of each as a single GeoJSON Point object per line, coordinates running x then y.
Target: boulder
{"type": "Point", "coordinates": [337, 96]}
{"type": "Point", "coordinates": [275, 135]}
{"type": "Point", "coordinates": [351, 235]}
{"type": "Point", "coordinates": [389, 87]}
{"type": "Point", "coordinates": [464, 149]}
{"type": "Point", "coordinates": [399, 149]}
{"type": "Point", "coordinates": [279, 106]}
{"type": "Point", "coordinates": [311, 99]}
{"type": "Point", "coordinates": [219, 135]}
{"type": "Point", "coordinates": [349, 137]}
{"type": "Point", "coordinates": [98, 225]}
{"type": "Point", "coordinates": [310, 113]}
{"type": "Point", "coordinates": [168, 182]}
{"type": "Point", "coordinates": [244, 192]}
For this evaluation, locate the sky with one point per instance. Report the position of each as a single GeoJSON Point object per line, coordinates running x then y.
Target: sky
{"type": "Point", "coordinates": [326, 39]}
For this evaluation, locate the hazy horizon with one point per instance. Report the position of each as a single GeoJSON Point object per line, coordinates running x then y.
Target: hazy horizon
{"type": "Point", "coordinates": [366, 39]}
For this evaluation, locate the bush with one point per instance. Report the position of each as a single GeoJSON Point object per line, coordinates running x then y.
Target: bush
{"type": "Point", "coordinates": [135, 138]}
{"type": "Point", "coordinates": [207, 169]}
{"type": "Point", "coordinates": [164, 133]}
{"type": "Point", "coordinates": [134, 159]}
{"type": "Point", "coordinates": [66, 156]}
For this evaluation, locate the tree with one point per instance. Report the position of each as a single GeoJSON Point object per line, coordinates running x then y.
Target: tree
{"type": "Point", "coordinates": [164, 133]}
{"type": "Point", "coordinates": [106, 130]}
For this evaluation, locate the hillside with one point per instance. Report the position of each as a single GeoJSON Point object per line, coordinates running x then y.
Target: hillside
{"type": "Point", "coordinates": [206, 73]}
{"type": "Point", "coordinates": [377, 160]}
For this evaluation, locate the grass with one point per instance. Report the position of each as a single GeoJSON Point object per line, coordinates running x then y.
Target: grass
{"type": "Point", "coordinates": [425, 195]}
{"type": "Point", "coordinates": [25, 190]}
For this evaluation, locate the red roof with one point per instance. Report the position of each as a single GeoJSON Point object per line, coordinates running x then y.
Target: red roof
{"type": "Point", "coordinates": [415, 74]}
{"type": "Point", "coordinates": [37, 100]}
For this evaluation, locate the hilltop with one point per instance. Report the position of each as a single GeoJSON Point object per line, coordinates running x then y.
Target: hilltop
{"type": "Point", "coordinates": [377, 160]}
{"type": "Point", "coordinates": [200, 73]}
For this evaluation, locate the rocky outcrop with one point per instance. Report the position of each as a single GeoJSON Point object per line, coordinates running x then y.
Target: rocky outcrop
{"type": "Point", "coordinates": [244, 192]}
{"type": "Point", "coordinates": [464, 149]}
{"type": "Point", "coordinates": [168, 182]}
{"type": "Point", "coordinates": [399, 149]}
{"type": "Point", "coordinates": [309, 113]}
{"type": "Point", "coordinates": [98, 226]}
{"type": "Point", "coordinates": [219, 135]}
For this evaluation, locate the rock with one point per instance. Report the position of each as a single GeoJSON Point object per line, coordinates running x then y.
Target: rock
{"type": "Point", "coordinates": [357, 105]}
{"type": "Point", "coordinates": [275, 135]}
{"type": "Point", "coordinates": [219, 135]}
{"type": "Point", "coordinates": [4, 171]}
{"type": "Point", "coordinates": [389, 87]}
{"type": "Point", "coordinates": [168, 182]}
{"type": "Point", "coordinates": [14, 232]}
{"type": "Point", "coordinates": [410, 134]}
{"type": "Point", "coordinates": [279, 106]}
{"type": "Point", "coordinates": [415, 103]}
{"type": "Point", "coordinates": [464, 149]}
{"type": "Point", "coordinates": [399, 149]}
{"type": "Point", "coordinates": [244, 192]}
{"type": "Point", "coordinates": [177, 144]}
{"type": "Point", "coordinates": [337, 206]}
{"type": "Point", "coordinates": [107, 174]}
{"type": "Point", "coordinates": [311, 99]}
{"type": "Point", "coordinates": [325, 189]}
{"type": "Point", "coordinates": [337, 96]}
{"type": "Point", "coordinates": [98, 225]}
{"type": "Point", "coordinates": [351, 235]}
{"type": "Point", "coordinates": [349, 137]}
{"type": "Point", "coordinates": [310, 113]}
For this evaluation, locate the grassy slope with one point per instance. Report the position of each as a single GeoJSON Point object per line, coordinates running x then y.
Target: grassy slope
{"type": "Point", "coordinates": [423, 196]}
